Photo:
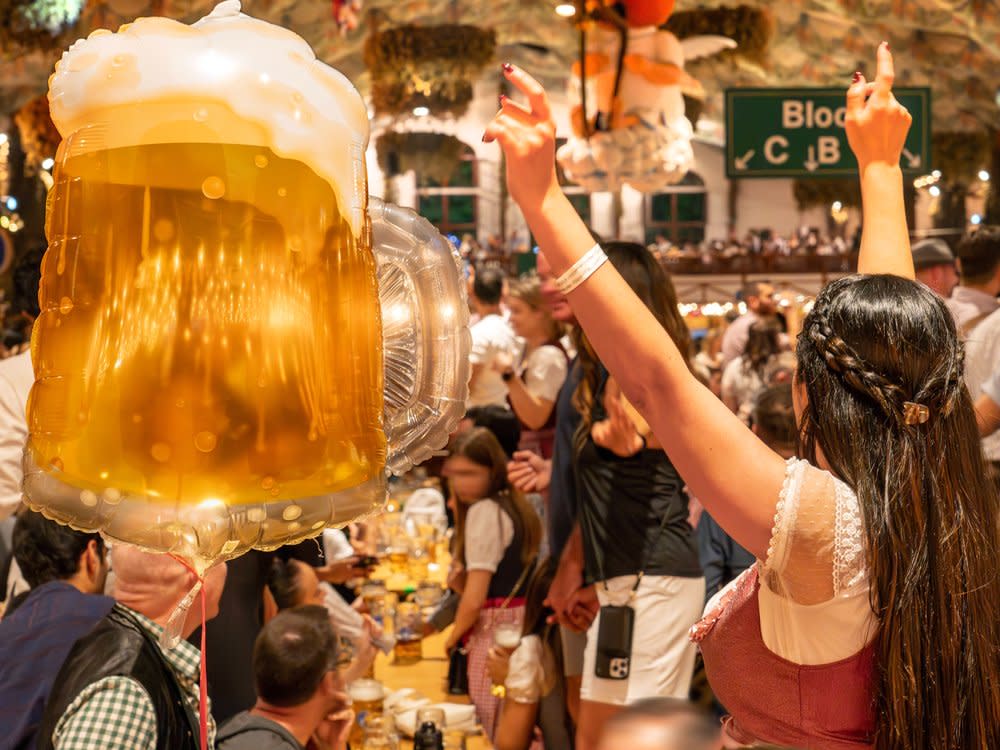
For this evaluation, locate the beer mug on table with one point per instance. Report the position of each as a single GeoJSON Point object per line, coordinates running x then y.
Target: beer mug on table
{"type": "Point", "coordinates": [233, 348]}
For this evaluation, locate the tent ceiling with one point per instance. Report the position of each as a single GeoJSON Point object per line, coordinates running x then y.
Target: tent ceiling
{"type": "Point", "coordinates": [951, 45]}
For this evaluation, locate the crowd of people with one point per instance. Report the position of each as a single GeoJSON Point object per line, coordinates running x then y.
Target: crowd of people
{"type": "Point", "coordinates": [762, 244]}
{"type": "Point", "coordinates": [815, 528]}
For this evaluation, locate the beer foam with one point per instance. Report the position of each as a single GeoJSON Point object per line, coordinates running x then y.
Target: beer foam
{"type": "Point", "coordinates": [366, 690]}
{"type": "Point", "coordinates": [268, 76]}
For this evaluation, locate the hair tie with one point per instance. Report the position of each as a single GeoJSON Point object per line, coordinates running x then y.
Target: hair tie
{"type": "Point", "coordinates": [914, 413]}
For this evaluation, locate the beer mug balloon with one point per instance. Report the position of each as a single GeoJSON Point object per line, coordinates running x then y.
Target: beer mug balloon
{"type": "Point", "coordinates": [224, 359]}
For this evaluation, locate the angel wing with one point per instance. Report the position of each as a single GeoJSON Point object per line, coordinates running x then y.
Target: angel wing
{"type": "Point", "coordinates": [695, 47]}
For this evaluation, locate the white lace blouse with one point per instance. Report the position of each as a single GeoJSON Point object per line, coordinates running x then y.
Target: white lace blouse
{"type": "Point", "coordinates": [814, 597]}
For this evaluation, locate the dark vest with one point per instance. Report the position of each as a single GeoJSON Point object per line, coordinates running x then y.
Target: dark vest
{"type": "Point", "coordinates": [34, 641]}
{"type": "Point", "coordinates": [509, 570]}
{"type": "Point", "coordinates": [120, 646]}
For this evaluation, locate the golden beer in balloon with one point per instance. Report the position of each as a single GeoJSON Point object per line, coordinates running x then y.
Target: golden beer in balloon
{"type": "Point", "coordinates": [213, 372]}
{"type": "Point", "coordinates": [228, 316]}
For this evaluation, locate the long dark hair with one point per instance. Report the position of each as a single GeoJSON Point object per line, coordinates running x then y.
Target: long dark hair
{"type": "Point", "coordinates": [481, 447]}
{"type": "Point", "coordinates": [763, 342]}
{"type": "Point", "coordinates": [652, 284]}
{"type": "Point", "coordinates": [873, 351]}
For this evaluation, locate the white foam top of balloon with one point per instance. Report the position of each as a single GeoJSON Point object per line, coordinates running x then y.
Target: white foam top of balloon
{"type": "Point", "coordinates": [266, 74]}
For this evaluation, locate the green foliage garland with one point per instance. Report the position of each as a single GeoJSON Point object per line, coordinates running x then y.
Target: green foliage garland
{"type": "Point", "coordinates": [751, 28]}
{"type": "Point", "coordinates": [429, 66]}
{"type": "Point", "coordinates": [432, 155]}
{"type": "Point", "coordinates": [960, 156]}
{"type": "Point", "coordinates": [823, 192]}
{"type": "Point", "coordinates": [39, 137]}
{"type": "Point", "coordinates": [37, 24]}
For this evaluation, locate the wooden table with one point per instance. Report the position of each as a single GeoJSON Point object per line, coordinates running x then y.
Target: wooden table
{"type": "Point", "coordinates": [429, 677]}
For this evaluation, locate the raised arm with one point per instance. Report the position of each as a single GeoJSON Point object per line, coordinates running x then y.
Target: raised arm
{"type": "Point", "coordinates": [876, 127]}
{"type": "Point", "coordinates": [724, 463]}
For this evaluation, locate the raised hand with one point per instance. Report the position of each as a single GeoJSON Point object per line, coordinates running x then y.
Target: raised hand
{"type": "Point", "coordinates": [876, 123]}
{"type": "Point", "coordinates": [333, 731]}
{"type": "Point", "coordinates": [529, 472]}
{"type": "Point", "coordinates": [617, 433]}
{"type": "Point", "coordinates": [527, 136]}
{"type": "Point", "coordinates": [502, 362]}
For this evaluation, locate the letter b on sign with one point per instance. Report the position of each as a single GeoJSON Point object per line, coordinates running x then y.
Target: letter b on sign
{"type": "Point", "coordinates": [829, 149]}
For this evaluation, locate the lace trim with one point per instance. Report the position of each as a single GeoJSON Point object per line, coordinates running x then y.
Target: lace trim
{"type": "Point", "coordinates": [847, 548]}
{"type": "Point", "coordinates": [780, 509]}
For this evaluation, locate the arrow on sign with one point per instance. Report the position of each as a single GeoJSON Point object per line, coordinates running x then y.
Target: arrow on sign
{"type": "Point", "coordinates": [811, 164]}
{"type": "Point", "coordinates": [743, 161]}
{"type": "Point", "coordinates": [913, 159]}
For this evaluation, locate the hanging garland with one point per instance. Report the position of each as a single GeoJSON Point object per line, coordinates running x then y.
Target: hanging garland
{"type": "Point", "coordinates": [39, 137]}
{"type": "Point", "coordinates": [751, 28]}
{"type": "Point", "coordinates": [824, 192]}
{"type": "Point", "coordinates": [960, 156]}
{"type": "Point", "coordinates": [37, 24]}
{"type": "Point", "coordinates": [433, 155]}
{"type": "Point", "coordinates": [428, 66]}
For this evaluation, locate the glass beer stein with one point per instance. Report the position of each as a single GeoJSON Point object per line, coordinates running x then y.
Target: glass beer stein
{"type": "Point", "coordinates": [225, 359]}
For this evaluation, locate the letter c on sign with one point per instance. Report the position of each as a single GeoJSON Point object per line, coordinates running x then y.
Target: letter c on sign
{"type": "Point", "coordinates": [769, 149]}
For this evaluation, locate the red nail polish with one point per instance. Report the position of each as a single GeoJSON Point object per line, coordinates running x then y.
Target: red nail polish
{"type": "Point", "coordinates": [857, 76]}
{"type": "Point", "coordinates": [886, 45]}
{"type": "Point", "coordinates": [508, 68]}
{"type": "Point", "coordinates": [487, 139]}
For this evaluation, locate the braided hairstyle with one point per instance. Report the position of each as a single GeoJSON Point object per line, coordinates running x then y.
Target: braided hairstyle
{"type": "Point", "coordinates": [886, 407]}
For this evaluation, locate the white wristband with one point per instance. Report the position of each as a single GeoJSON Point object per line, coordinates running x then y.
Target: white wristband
{"type": "Point", "coordinates": [582, 270]}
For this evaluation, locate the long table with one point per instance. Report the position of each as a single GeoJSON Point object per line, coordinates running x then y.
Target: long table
{"type": "Point", "coordinates": [429, 677]}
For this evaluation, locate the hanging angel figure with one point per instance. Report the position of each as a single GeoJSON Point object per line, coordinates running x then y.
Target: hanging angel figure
{"type": "Point", "coordinates": [628, 91]}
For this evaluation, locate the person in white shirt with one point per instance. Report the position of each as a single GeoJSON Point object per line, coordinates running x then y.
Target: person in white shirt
{"type": "Point", "coordinates": [534, 382]}
{"type": "Point", "coordinates": [982, 332]}
{"type": "Point", "coordinates": [497, 539]}
{"type": "Point", "coordinates": [760, 301]}
{"type": "Point", "coordinates": [492, 336]}
{"type": "Point", "coordinates": [16, 379]}
{"type": "Point", "coordinates": [979, 267]}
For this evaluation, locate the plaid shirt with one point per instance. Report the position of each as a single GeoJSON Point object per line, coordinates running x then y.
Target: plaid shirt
{"type": "Point", "coordinates": [117, 713]}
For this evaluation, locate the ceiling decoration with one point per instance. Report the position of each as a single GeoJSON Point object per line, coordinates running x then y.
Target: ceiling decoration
{"type": "Point", "coordinates": [951, 45]}
{"type": "Point", "coordinates": [433, 67]}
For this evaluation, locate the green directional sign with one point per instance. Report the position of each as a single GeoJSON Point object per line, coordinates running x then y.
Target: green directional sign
{"type": "Point", "coordinates": [800, 133]}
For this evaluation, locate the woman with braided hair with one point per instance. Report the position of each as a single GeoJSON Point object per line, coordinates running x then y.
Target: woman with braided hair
{"type": "Point", "coordinates": [872, 617]}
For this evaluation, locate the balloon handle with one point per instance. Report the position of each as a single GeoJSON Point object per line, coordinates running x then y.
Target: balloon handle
{"type": "Point", "coordinates": [172, 636]}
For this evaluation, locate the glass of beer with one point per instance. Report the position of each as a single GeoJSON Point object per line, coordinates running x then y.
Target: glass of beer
{"type": "Point", "coordinates": [399, 554]}
{"type": "Point", "coordinates": [374, 595]}
{"type": "Point", "coordinates": [506, 635]}
{"type": "Point", "coordinates": [367, 697]}
{"type": "Point", "coordinates": [409, 622]}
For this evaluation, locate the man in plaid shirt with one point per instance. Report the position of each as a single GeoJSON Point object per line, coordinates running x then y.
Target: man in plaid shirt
{"type": "Point", "coordinates": [119, 709]}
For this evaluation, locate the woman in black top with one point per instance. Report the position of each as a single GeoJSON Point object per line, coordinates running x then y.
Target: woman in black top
{"type": "Point", "coordinates": [638, 547]}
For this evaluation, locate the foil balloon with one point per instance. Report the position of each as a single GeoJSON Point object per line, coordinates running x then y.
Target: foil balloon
{"type": "Point", "coordinates": [638, 133]}
{"type": "Point", "coordinates": [224, 360]}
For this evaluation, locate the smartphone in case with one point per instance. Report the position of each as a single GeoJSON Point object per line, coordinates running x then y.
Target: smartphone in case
{"type": "Point", "coordinates": [614, 642]}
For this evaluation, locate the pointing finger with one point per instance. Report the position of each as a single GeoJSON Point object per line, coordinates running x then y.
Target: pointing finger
{"type": "Point", "coordinates": [886, 72]}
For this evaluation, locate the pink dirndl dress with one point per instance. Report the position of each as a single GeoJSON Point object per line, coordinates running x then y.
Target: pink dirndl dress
{"type": "Point", "coordinates": [770, 699]}
{"type": "Point", "coordinates": [827, 701]}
